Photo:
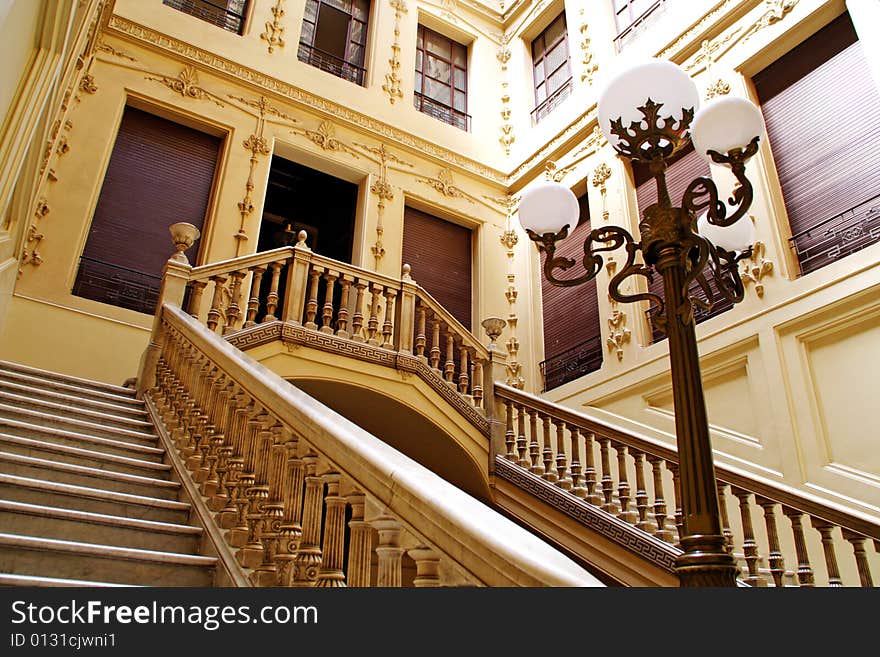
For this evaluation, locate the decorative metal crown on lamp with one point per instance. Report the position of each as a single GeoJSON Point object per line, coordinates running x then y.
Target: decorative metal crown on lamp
{"type": "Point", "coordinates": [649, 113]}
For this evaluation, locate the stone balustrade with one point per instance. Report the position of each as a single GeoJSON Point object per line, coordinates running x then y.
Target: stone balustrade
{"type": "Point", "coordinates": [780, 537]}
{"type": "Point", "coordinates": [306, 498]}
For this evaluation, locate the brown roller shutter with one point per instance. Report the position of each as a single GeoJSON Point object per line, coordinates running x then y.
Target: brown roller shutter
{"type": "Point", "coordinates": [686, 166]}
{"type": "Point", "coordinates": [572, 334]}
{"type": "Point", "coordinates": [822, 112]}
{"type": "Point", "coordinates": [439, 253]}
{"type": "Point", "coordinates": [160, 173]}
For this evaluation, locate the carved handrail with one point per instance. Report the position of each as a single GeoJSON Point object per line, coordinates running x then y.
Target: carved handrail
{"type": "Point", "coordinates": [225, 267]}
{"type": "Point", "coordinates": [271, 461]}
{"type": "Point", "coordinates": [635, 478]}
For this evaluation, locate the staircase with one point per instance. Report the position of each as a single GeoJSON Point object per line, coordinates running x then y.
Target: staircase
{"type": "Point", "coordinates": [86, 495]}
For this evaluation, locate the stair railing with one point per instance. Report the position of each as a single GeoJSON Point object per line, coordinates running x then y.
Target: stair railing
{"type": "Point", "coordinates": [321, 295]}
{"type": "Point", "coordinates": [270, 462]}
{"type": "Point", "coordinates": [635, 479]}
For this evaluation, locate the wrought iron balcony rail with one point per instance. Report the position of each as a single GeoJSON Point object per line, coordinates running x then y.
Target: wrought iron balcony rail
{"type": "Point", "coordinates": [216, 14]}
{"type": "Point", "coordinates": [838, 236]}
{"type": "Point", "coordinates": [442, 112]}
{"type": "Point", "coordinates": [573, 363]}
{"type": "Point", "coordinates": [119, 286]}
{"type": "Point", "coordinates": [325, 61]}
{"type": "Point", "coordinates": [553, 101]}
{"type": "Point", "coordinates": [635, 28]}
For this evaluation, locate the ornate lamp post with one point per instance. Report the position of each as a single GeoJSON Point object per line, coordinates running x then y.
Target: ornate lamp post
{"type": "Point", "coordinates": [648, 115]}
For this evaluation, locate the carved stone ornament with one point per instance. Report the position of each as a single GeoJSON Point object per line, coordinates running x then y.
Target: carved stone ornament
{"type": "Point", "coordinates": [392, 78]}
{"type": "Point", "coordinates": [325, 138]}
{"type": "Point", "coordinates": [186, 84]}
{"type": "Point", "coordinates": [274, 33]}
{"type": "Point", "coordinates": [774, 11]}
{"type": "Point", "coordinates": [756, 268]}
{"type": "Point", "coordinates": [618, 335]}
{"type": "Point", "coordinates": [87, 84]}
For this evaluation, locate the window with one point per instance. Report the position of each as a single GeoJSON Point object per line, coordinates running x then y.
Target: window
{"type": "Point", "coordinates": [684, 167]}
{"type": "Point", "coordinates": [160, 173]}
{"type": "Point", "coordinates": [631, 16]}
{"type": "Point", "coordinates": [441, 78]}
{"type": "Point", "coordinates": [228, 14]}
{"type": "Point", "coordinates": [822, 112]}
{"type": "Point", "coordinates": [572, 333]}
{"type": "Point", "coordinates": [334, 37]}
{"type": "Point", "coordinates": [550, 63]}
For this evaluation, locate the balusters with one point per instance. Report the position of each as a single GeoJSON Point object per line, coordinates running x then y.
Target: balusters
{"type": "Point", "coordinates": [388, 324]}
{"type": "Point", "coordinates": [676, 490]}
{"type": "Point", "coordinates": [308, 556]}
{"type": "Point", "coordinates": [590, 480]}
{"type": "Point", "coordinates": [435, 345]}
{"type": "Point", "coordinates": [214, 313]}
{"type": "Point", "coordinates": [421, 338]}
{"type": "Point", "coordinates": [750, 546]}
{"type": "Point", "coordinates": [659, 499]}
{"type": "Point", "coordinates": [427, 566]}
{"type": "Point", "coordinates": [359, 543]}
{"type": "Point", "coordinates": [195, 299]}
{"type": "Point", "coordinates": [623, 484]}
{"type": "Point", "coordinates": [508, 431]}
{"type": "Point", "coordinates": [641, 492]}
{"type": "Point", "coordinates": [562, 478]}
{"type": "Point", "coordinates": [463, 381]}
{"type": "Point", "coordinates": [290, 531]}
{"type": "Point", "coordinates": [331, 574]}
{"type": "Point", "coordinates": [389, 552]}
{"type": "Point", "coordinates": [342, 316]}
{"type": "Point", "coordinates": [607, 480]}
{"type": "Point", "coordinates": [725, 521]}
{"type": "Point", "coordinates": [858, 545]}
{"type": "Point", "coordinates": [327, 310]}
{"type": "Point", "coordinates": [449, 365]}
{"type": "Point", "coordinates": [547, 453]}
{"type": "Point", "coordinates": [357, 319]}
{"type": "Point", "coordinates": [272, 297]}
{"type": "Point", "coordinates": [521, 445]}
{"type": "Point", "coordinates": [312, 302]}
{"type": "Point", "coordinates": [824, 528]}
{"type": "Point", "coordinates": [805, 571]}
{"type": "Point", "coordinates": [477, 387]}
{"type": "Point", "coordinates": [373, 322]}
{"type": "Point", "coordinates": [577, 487]}
{"type": "Point", "coordinates": [775, 559]}
{"type": "Point", "coordinates": [233, 310]}
{"type": "Point", "coordinates": [534, 447]}
{"type": "Point", "coordinates": [254, 298]}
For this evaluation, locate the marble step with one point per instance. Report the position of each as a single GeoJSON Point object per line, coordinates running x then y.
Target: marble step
{"type": "Point", "coordinates": [131, 408]}
{"type": "Point", "coordinates": [61, 421]}
{"type": "Point", "coordinates": [117, 446]}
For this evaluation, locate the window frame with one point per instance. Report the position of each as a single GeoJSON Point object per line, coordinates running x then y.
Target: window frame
{"type": "Point", "coordinates": [199, 9]}
{"type": "Point", "coordinates": [436, 108]}
{"type": "Point", "coordinates": [344, 67]}
{"type": "Point", "coordinates": [550, 101]}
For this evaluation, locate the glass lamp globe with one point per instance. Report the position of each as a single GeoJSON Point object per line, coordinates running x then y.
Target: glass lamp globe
{"type": "Point", "coordinates": [547, 208]}
{"type": "Point", "coordinates": [726, 123]}
{"type": "Point", "coordinates": [737, 237]}
{"type": "Point", "coordinates": [660, 80]}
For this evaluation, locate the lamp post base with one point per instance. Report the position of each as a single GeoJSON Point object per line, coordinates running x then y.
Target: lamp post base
{"type": "Point", "coordinates": [705, 562]}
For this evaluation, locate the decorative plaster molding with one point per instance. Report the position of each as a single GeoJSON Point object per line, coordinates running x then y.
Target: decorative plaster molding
{"type": "Point", "coordinates": [756, 268]}
{"type": "Point", "coordinates": [590, 67]}
{"type": "Point", "coordinates": [507, 136]}
{"type": "Point", "coordinates": [774, 11]}
{"type": "Point", "coordinates": [703, 24]}
{"type": "Point", "coordinates": [444, 184]}
{"type": "Point", "coordinates": [325, 138]}
{"type": "Point", "coordinates": [186, 84]}
{"type": "Point", "coordinates": [392, 79]}
{"type": "Point", "coordinates": [618, 334]}
{"type": "Point", "coordinates": [87, 84]}
{"type": "Point", "coordinates": [601, 174]}
{"type": "Point", "coordinates": [297, 95]}
{"type": "Point", "coordinates": [30, 255]}
{"type": "Point", "coordinates": [103, 46]}
{"type": "Point", "coordinates": [274, 33]}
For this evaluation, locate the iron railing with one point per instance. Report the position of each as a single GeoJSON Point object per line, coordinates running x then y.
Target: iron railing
{"type": "Point", "coordinates": [118, 286]}
{"type": "Point", "coordinates": [838, 236]}
{"type": "Point", "coordinates": [442, 112]}
{"type": "Point", "coordinates": [228, 15]}
{"type": "Point", "coordinates": [331, 63]}
{"type": "Point", "coordinates": [552, 102]}
{"type": "Point", "coordinates": [572, 363]}
{"type": "Point", "coordinates": [628, 32]}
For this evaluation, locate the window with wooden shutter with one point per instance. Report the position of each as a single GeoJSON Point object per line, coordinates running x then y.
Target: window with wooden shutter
{"type": "Point", "coordinates": [160, 173]}
{"type": "Point", "coordinates": [572, 333]}
{"type": "Point", "coordinates": [822, 112]}
{"type": "Point", "coordinates": [439, 253]}
{"type": "Point", "coordinates": [686, 166]}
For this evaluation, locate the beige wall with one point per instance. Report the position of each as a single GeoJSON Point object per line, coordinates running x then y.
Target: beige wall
{"type": "Point", "coordinates": [782, 354]}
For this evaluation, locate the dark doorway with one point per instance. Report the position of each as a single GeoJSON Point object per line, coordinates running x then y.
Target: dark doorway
{"type": "Point", "coordinates": [300, 198]}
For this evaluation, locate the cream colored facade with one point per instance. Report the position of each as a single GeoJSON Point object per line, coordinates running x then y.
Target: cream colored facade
{"type": "Point", "coordinates": [789, 372]}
